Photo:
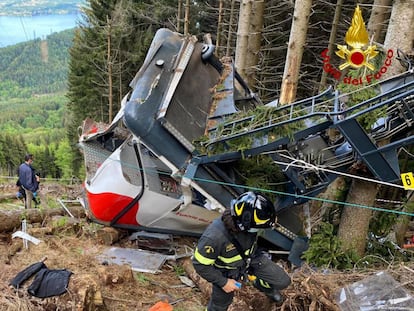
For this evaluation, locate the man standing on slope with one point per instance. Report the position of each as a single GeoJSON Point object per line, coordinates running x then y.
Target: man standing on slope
{"type": "Point", "coordinates": [28, 179]}
{"type": "Point", "coordinates": [227, 252]}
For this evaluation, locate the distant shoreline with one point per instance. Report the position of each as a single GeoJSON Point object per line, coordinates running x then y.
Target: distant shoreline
{"type": "Point", "coordinates": [29, 14]}
{"type": "Point", "coordinates": [42, 14]}
{"type": "Point", "coordinates": [40, 7]}
{"type": "Point", "coordinates": [17, 29]}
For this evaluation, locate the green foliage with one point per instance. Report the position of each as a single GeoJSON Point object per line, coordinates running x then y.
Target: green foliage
{"type": "Point", "coordinates": [65, 158]}
{"type": "Point", "coordinates": [381, 249]}
{"type": "Point", "coordinates": [382, 223]}
{"type": "Point", "coordinates": [130, 26]}
{"type": "Point", "coordinates": [179, 270]}
{"type": "Point", "coordinates": [142, 278]}
{"type": "Point", "coordinates": [379, 243]}
{"type": "Point", "coordinates": [260, 172]}
{"type": "Point", "coordinates": [35, 67]}
{"type": "Point", "coordinates": [325, 250]}
{"type": "Point", "coordinates": [60, 222]}
{"type": "Point", "coordinates": [25, 115]}
{"type": "Point", "coordinates": [12, 151]}
{"type": "Point", "coordinates": [360, 94]}
{"type": "Point", "coordinates": [33, 103]}
{"type": "Point", "coordinates": [247, 121]}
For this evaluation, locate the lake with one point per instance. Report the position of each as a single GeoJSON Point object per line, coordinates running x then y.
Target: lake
{"type": "Point", "coordinates": [16, 29]}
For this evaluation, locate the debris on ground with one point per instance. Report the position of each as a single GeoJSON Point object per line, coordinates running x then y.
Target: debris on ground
{"type": "Point", "coordinates": [76, 244]}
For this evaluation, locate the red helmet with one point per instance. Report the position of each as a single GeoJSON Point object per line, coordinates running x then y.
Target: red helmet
{"type": "Point", "coordinates": [252, 210]}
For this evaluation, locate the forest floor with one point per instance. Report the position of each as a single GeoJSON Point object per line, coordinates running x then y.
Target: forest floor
{"type": "Point", "coordinates": [75, 245]}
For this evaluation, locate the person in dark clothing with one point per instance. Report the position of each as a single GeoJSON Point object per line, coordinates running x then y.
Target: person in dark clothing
{"type": "Point", "coordinates": [28, 180]}
{"type": "Point", "coordinates": [227, 252]}
{"type": "Point", "coordinates": [21, 194]}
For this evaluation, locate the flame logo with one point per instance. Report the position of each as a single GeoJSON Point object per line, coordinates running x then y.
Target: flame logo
{"type": "Point", "coordinates": [357, 37]}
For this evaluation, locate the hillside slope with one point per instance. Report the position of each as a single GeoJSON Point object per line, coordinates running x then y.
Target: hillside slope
{"type": "Point", "coordinates": [76, 244]}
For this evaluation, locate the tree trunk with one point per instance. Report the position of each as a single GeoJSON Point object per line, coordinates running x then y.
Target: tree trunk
{"type": "Point", "coordinates": [377, 20]}
{"type": "Point", "coordinates": [402, 224]}
{"type": "Point", "coordinates": [219, 27]}
{"type": "Point", "coordinates": [353, 228]}
{"type": "Point", "coordinates": [179, 15]}
{"type": "Point", "coordinates": [242, 43]}
{"type": "Point", "coordinates": [228, 47]}
{"type": "Point", "coordinates": [255, 42]}
{"type": "Point", "coordinates": [400, 34]}
{"type": "Point", "coordinates": [334, 192]}
{"type": "Point", "coordinates": [187, 17]}
{"type": "Point", "coordinates": [332, 39]}
{"type": "Point", "coordinates": [109, 64]}
{"type": "Point", "coordinates": [11, 220]}
{"type": "Point", "coordinates": [294, 55]}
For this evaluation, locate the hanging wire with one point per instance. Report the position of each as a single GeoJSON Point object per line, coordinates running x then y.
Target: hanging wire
{"type": "Point", "coordinates": [263, 190]}
{"type": "Point", "coordinates": [407, 152]}
{"type": "Point", "coordinates": [319, 168]}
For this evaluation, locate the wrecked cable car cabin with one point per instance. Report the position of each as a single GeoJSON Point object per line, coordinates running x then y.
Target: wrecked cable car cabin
{"type": "Point", "coordinates": [144, 171]}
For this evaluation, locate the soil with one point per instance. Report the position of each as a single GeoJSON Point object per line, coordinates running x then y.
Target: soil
{"type": "Point", "coordinates": [75, 245]}
{"type": "Point", "coordinates": [77, 252]}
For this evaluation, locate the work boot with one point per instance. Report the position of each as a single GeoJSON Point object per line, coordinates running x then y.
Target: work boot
{"type": "Point", "coordinates": [275, 296]}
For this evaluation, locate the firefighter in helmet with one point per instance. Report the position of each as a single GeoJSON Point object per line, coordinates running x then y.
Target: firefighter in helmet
{"type": "Point", "coordinates": [227, 252]}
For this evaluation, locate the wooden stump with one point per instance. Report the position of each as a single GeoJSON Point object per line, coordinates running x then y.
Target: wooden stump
{"type": "Point", "coordinates": [86, 291]}
{"type": "Point", "coordinates": [108, 235]}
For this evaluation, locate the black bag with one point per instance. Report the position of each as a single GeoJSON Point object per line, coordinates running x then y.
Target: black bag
{"type": "Point", "coordinates": [25, 274]}
{"type": "Point", "coordinates": [49, 283]}
{"type": "Point", "coordinates": [46, 283]}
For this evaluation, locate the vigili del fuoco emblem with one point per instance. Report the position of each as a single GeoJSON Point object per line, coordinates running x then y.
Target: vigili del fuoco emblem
{"type": "Point", "coordinates": [357, 37]}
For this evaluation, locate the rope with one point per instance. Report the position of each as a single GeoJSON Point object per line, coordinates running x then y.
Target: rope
{"type": "Point", "coordinates": [378, 209]}
{"type": "Point", "coordinates": [318, 168]}
{"type": "Point", "coordinates": [280, 193]}
{"type": "Point", "coordinates": [302, 164]}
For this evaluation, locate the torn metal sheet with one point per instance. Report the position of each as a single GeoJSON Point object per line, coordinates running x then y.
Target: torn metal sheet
{"type": "Point", "coordinates": [156, 242]}
{"type": "Point", "coordinates": [139, 260]}
{"type": "Point", "coordinates": [146, 234]}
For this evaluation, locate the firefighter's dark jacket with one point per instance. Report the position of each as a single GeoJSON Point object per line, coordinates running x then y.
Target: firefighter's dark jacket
{"type": "Point", "coordinates": [216, 257]}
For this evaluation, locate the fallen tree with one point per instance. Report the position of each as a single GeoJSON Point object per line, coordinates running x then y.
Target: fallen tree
{"type": "Point", "coordinates": [10, 220]}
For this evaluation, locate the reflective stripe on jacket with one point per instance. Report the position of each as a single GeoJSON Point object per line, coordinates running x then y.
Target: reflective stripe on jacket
{"type": "Point", "coordinates": [217, 258]}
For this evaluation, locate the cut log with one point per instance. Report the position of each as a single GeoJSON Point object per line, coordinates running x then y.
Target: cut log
{"type": "Point", "coordinates": [7, 196]}
{"type": "Point", "coordinates": [86, 292]}
{"type": "Point", "coordinates": [202, 284]}
{"type": "Point", "coordinates": [115, 274]}
{"type": "Point", "coordinates": [11, 220]}
{"type": "Point", "coordinates": [108, 235]}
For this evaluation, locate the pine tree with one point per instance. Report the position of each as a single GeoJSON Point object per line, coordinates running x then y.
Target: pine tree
{"type": "Point", "coordinates": [108, 50]}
